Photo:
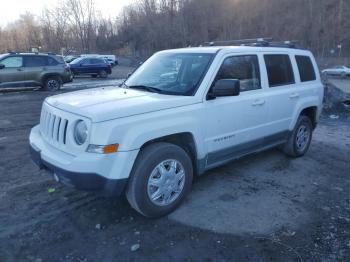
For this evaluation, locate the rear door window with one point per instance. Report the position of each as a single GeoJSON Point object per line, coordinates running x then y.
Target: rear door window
{"type": "Point", "coordinates": [35, 61]}
{"type": "Point", "coordinates": [85, 61]}
{"type": "Point", "coordinates": [306, 68]}
{"type": "Point", "coordinates": [279, 70]}
{"type": "Point", "coordinates": [244, 68]}
{"type": "Point", "coordinates": [12, 62]}
{"type": "Point", "coordinates": [95, 61]}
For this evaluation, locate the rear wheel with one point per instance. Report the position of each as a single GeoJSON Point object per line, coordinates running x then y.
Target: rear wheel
{"type": "Point", "coordinates": [52, 83]}
{"type": "Point", "coordinates": [160, 180]}
{"type": "Point", "coordinates": [103, 74]}
{"type": "Point", "coordinates": [300, 139]}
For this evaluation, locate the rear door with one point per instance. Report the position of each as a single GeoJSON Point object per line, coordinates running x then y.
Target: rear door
{"type": "Point", "coordinates": [97, 65]}
{"type": "Point", "coordinates": [12, 74]}
{"type": "Point", "coordinates": [282, 93]}
{"type": "Point", "coordinates": [35, 66]}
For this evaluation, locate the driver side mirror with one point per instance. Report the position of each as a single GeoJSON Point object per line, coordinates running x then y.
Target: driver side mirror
{"type": "Point", "coordinates": [225, 87]}
{"type": "Point", "coordinates": [2, 66]}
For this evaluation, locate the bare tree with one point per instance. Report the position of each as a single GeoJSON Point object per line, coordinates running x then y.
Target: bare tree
{"type": "Point", "coordinates": [150, 25]}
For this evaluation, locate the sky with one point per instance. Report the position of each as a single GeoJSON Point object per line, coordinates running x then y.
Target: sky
{"type": "Point", "coordinates": [11, 9]}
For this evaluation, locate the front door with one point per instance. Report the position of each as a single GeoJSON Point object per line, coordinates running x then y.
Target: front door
{"type": "Point", "coordinates": [237, 124]}
{"type": "Point", "coordinates": [12, 74]}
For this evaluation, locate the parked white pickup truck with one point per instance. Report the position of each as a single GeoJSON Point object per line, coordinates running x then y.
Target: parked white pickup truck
{"type": "Point", "coordinates": [179, 114]}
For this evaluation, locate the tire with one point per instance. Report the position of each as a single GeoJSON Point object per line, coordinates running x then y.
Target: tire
{"type": "Point", "coordinates": [103, 74]}
{"type": "Point", "coordinates": [52, 83]}
{"type": "Point", "coordinates": [93, 76]}
{"type": "Point", "coordinates": [300, 139]}
{"type": "Point", "coordinates": [147, 168]}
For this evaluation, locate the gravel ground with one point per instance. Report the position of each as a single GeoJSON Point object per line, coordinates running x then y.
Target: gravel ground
{"type": "Point", "coordinates": [266, 207]}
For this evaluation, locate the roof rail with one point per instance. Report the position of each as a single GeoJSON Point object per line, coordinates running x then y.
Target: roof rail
{"type": "Point", "coordinates": [28, 53]}
{"type": "Point", "coordinates": [259, 42]}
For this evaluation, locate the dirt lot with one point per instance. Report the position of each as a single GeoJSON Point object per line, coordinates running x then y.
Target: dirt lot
{"type": "Point", "coordinates": [265, 207]}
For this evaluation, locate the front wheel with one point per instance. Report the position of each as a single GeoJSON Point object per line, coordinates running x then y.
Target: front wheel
{"type": "Point", "coordinates": [300, 139]}
{"type": "Point", "coordinates": [160, 180]}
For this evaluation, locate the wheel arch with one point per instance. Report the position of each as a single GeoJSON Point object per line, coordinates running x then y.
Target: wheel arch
{"type": "Point", "coordinates": [310, 112]}
{"type": "Point", "coordinates": [185, 140]}
{"type": "Point", "coordinates": [310, 107]}
{"type": "Point", "coordinates": [48, 75]}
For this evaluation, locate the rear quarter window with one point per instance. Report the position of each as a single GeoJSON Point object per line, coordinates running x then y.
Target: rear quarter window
{"type": "Point", "coordinates": [52, 62]}
{"type": "Point", "coordinates": [306, 68]}
{"type": "Point", "coordinates": [59, 59]}
{"type": "Point", "coordinates": [279, 70]}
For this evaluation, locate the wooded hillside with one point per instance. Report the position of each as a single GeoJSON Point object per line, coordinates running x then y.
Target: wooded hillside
{"type": "Point", "coordinates": [151, 25]}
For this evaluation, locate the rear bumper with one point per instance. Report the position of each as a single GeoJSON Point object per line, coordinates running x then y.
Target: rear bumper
{"type": "Point", "coordinates": [67, 78]}
{"type": "Point", "coordinates": [81, 181]}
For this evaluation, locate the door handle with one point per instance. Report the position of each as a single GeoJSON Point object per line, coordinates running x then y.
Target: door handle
{"type": "Point", "coordinates": [258, 102]}
{"type": "Point", "coordinates": [19, 69]}
{"type": "Point", "coordinates": [44, 68]}
{"type": "Point", "coordinates": [294, 95]}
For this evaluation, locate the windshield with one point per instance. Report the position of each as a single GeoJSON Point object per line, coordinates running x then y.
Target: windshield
{"type": "Point", "coordinates": [169, 73]}
{"type": "Point", "coordinates": [2, 56]}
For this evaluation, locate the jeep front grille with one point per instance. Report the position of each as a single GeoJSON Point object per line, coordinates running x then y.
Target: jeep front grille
{"type": "Point", "coordinates": [53, 127]}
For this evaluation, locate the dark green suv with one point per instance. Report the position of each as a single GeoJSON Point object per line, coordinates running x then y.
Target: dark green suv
{"type": "Point", "coordinates": [34, 69]}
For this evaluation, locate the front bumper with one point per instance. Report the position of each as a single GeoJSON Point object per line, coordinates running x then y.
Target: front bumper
{"type": "Point", "coordinates": [107, 174]}
{"type": "Point", "coordinates": [81, 181]}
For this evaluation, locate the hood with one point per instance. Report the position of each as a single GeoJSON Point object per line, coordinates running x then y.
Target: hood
{"type": "Point", "coordinates": [106, 103]}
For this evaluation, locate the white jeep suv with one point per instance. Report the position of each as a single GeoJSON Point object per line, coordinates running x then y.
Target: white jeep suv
{"type": "Point", "coordinates": [179, 114]}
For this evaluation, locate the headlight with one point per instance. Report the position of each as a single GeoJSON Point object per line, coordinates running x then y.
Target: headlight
{"type": "Point", "coordinates": [80, 132]}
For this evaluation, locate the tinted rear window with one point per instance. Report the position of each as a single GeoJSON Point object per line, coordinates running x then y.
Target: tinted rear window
{"type": "Point", "coordinates": [52, 61]}
{"type": "Point", "coordinates": [58, 58]}
{"type": "Point", "coordinates": [306, 69]}
{"type": "Point", "coordinates": [279, 70]}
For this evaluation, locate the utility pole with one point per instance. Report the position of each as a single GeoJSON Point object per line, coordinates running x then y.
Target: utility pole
{"type": "Point", "coordinates": [340, 49]}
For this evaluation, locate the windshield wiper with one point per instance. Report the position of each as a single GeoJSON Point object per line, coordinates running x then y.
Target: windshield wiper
{"type": "Point", "coordinates": [147, 88]}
